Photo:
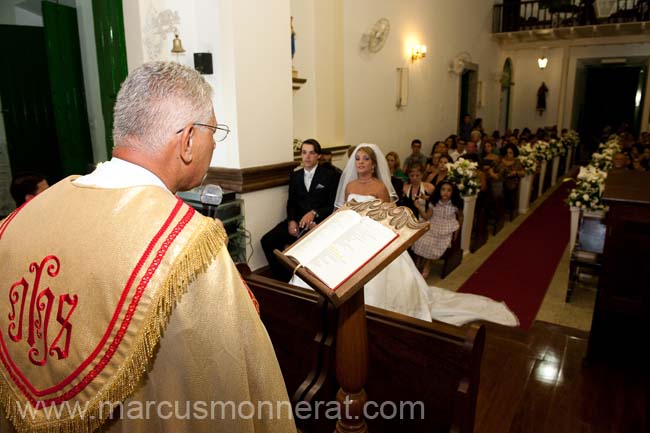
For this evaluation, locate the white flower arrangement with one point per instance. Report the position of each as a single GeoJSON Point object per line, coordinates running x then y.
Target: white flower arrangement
{"type": "Point", "coordinates": [528, 159]}
{"type": "Point", "coordinates": [571, 139]}
{"type": "Point", "coordinates": [464, 174]}
{"type": "Point", "coordinates": [557, 147]}
{"type": "Point", "coordinates": [613, 145]}
{"type": "Point", "coordinates": [588, 193]}
{"type": "Point", "coordinates": [297, 144]}
{"type": "Point", "coordinates": [603, 159]}
{"type": "Point", "coordinates": [543, 150]}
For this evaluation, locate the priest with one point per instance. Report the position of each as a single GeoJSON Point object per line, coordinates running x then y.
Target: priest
{"type": "Point", "coordinates": [123, 310]}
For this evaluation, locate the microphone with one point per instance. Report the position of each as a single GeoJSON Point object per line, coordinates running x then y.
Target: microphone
{"type": "Point", "coordinates": [211, 194]}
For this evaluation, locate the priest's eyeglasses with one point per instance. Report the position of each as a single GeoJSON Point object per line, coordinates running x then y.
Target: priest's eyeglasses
{"type": "Point", "coordinates": [220, 131]}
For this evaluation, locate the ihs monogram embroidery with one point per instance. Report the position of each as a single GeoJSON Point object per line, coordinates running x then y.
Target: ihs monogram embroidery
{"type": "Point", "coordinates": [37, 306]}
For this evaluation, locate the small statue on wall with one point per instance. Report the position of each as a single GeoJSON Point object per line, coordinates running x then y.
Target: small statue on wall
{"type": "Point", "coordinates": [294, 73]}
{"type": "Point", "coordinates": [541, 98]}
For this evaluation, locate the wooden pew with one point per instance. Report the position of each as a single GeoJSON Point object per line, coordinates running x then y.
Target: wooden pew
{"type": "Point", "coordinates": [535, 188]}
{"type": "Point", "coordinates": [495, 206]}
{"type": "Point", "coordinates": [480, 225]}
{"type": "Point", "coordinates": [410, 360]}
{"type": "Point", "coordinates": [452, 257]}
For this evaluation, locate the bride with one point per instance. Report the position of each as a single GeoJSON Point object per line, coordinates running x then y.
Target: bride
{"type": "Point", "coordinates": [400, 287]}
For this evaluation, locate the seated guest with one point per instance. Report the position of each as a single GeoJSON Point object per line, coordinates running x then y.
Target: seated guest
{"type": "Point", "coordinates": [439, 147]}
{"type": "Point", "coordinates": [416, 189]}
{"type": "Point", "coordinates": [489, 156]}
{"type": "Point", "coordinates": [431, 167]}
{"type": "Point", "coordinates": [25, 187]}
{"type": "Point", "coordinates": [470, 147]}
{"type": "Point", "coordinates": [497, 139]}
{"type": "Point", "coordinates": [476, 138]}
{"type": "Point", "coordinates": [416, 156]}
{"type": "Point", "coordinates": [311, 199]}
{"type": "Point", "coordinates": [445, 216]}
{"type": "Point", "coordinates": [394, 166]}
{"type": "Point", "coordinates": [441, 171]}
{"type": "Point", "coordinates": [510, 170]}
{"type": "Point", "coordinates": [459, 150]}
{"type": "Point", "coordinates": [325, 161]}
{"type": "Point", "coordinates": [450, 142]}
{"type": "Point", "coordinates": [619, 161]}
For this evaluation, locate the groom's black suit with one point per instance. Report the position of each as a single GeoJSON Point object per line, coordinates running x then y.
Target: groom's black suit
{"type": "Point", "coordinates": [319, 198]}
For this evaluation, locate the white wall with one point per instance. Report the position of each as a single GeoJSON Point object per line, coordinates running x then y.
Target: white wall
{"type": "Point", "coordinates": [249, 41]}
{"type": "Point", "coordinates": [318, 104]}
{"type": "Point", "coordinates": [263, 210]}
{"type": "Point", "coordinates": [91, 79]}
{"type": "Point", "coordinates": [7, 13]}
{"type": "Point", "coordinates": [528, 78]}
{"type": "Point", "coordinates": [27, 18]}
{"type": "Point", "coordinates": [446, 28]}
{"type": "Point", "coordinates": [304, 99]}
{"type": "Point", "coordinates": [329, 72]}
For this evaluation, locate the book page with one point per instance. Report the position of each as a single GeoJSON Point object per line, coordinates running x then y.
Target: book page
{"type": "Point", "coordinates": [346, 254]}
{"type": "Point", "coordinates": [311, 246]}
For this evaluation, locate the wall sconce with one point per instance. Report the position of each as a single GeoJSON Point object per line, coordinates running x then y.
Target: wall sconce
{"type": "Point", "coordinates": [542, 62]}
{"type": "Point", "coordinates": [418, 52]}
{"type": "Point", "coordinates": [402, 88]}
{"type": "Point", "coordinates": [177, 45]}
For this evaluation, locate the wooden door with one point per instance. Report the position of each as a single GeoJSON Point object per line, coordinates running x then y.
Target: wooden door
{"type": "Point", "coordinates": [111, 58]}
{"type": "Point", "coordinates": [27, 110]}
{"type": "Point", "coordinates": [66, 81]}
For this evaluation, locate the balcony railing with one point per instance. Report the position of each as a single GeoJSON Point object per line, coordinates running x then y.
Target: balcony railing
{"type": "Point", "coordinates": [543, 14]}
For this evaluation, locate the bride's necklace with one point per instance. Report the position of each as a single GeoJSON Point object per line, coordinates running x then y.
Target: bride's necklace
{"type": "Point", "coordinates": [364, 181]}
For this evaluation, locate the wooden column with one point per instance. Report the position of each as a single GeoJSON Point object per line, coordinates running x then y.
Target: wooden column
{"type": "Point", "coordinates": [352, 365]}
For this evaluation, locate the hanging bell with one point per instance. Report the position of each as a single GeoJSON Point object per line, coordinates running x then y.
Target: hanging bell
{"type": "Point", "coordinates": [177, 45]}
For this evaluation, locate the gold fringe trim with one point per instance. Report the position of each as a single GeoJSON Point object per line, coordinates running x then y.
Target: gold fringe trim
{"type": "Point", "coordinates": [200, 251]}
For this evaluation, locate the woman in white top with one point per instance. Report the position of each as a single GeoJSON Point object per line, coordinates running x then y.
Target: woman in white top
{"type": "Point", "coordinates": [399, 287]}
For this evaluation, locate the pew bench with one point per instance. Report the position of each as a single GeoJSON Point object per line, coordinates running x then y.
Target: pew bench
{"type": "Point", "coordinates": [429, 369]}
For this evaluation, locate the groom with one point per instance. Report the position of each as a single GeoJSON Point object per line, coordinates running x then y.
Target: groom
{"type": "Point", "coordinates": [311, 199]}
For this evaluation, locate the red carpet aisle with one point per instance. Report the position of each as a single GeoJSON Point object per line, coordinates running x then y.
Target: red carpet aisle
{"type": "Point", "coordinates": [520, 270]}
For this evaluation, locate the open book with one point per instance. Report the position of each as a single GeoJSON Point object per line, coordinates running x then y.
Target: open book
{"type": "Point", "coordinates": [340, 246]}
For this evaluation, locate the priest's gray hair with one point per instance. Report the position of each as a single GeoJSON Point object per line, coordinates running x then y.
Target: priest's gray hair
{"type": "Point", "coordinates": [156, 100]}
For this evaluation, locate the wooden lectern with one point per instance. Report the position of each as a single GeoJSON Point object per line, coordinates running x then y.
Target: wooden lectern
{"type": "Point", "coordinates": [348, 298]}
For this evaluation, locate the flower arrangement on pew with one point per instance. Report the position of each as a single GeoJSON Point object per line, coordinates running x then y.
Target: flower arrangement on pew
{"type": "Point", "coordinates": [557, 147]}
{"type": "Point", "coordinates": [603, 159]}
{"type": "Point", "coordinates": [571, 139]}
{"type": "Point", "coordinates": [528, 158]}
{"type": "Point", "coordinates": [588, 193]}
{"type": "Point", "coordinates": [543, 151]}
{"type": "Point", "coordinates": [464, 174]}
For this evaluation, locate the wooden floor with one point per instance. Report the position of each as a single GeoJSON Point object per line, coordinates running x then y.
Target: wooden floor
{"type": "Point", "coordinates": [534, 381]}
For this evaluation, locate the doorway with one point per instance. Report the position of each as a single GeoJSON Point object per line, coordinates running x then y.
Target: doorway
{"type": "Point", "coordinates": [609, 96]}
{"type": "Point", "coordinates": [32, 144]}
{"type": "Point", "coordinates": [468, 92]}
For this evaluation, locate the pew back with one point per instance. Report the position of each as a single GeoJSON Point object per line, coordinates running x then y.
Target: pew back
{"type": "Point", "coordinates": [413, 361]}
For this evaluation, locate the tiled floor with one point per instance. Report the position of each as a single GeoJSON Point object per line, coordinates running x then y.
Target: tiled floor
{"type": "Point", "coordinates": [576, 314]}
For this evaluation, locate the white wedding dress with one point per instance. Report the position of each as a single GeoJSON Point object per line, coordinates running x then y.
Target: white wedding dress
{"type": "Point", "coordinates": [400, 287]}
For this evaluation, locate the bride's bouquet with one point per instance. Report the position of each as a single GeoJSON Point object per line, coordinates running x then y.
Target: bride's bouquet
{"type": "Point", "coordinates": [464, 174]}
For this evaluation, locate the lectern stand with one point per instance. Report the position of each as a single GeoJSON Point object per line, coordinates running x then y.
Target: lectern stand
{"type": "Point", "coordinates": [348, 298]}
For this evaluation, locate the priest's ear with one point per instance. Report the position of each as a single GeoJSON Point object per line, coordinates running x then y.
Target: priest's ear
{"type": "Point", "coordinates": [185, 144]}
